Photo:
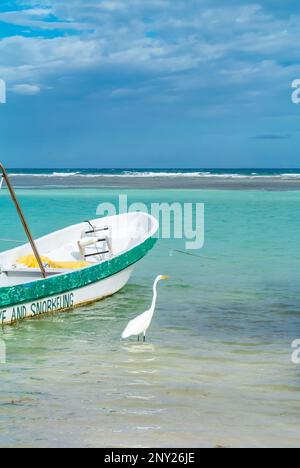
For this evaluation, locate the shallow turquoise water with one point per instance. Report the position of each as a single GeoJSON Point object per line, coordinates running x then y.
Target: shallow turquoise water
{"type": "Point", "coordinates": [217, 366]}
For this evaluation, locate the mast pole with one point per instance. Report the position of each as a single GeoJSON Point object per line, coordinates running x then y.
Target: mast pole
{"type": "Point", "coordinates": [23, 220]}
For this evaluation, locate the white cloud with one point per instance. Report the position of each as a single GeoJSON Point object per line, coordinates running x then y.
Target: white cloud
{"type": "Point", "coordinates": [31, 58]}
{"type": "Point", "coordinates": [27, 89]}
{"type": "Point", "coordinates": [36, 18]}
{"type": "Point", "coordinates": [112, 5]}
{"type": "Point", "coordinates": [37, 12]}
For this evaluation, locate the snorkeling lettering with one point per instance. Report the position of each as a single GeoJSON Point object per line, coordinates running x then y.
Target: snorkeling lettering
{"type": "Point", "coordinates": [50, 305]}
{"type": "Point", "coordinates": [20, 312]}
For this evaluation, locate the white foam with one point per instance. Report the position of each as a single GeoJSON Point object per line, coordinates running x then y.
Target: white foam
{"type": "Point", "coordinates": [54, 174]}
{"type": "Point", "coordinates": [124, 174]}
{"type": "Point", "coordinates": [162, 174]}
{"type": "Point", "coordinates": [65, 174]}
{"type": "Point", "coordinates": [291, 176]}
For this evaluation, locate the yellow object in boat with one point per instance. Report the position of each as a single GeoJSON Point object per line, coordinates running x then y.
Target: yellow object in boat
{"type": "Point", "coordinates": [31, 262]}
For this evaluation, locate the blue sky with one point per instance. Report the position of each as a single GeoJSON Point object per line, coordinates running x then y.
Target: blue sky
{"type": "Point", "coordinates": [150, 83]}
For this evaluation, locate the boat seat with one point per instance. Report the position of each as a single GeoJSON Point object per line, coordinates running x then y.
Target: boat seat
{"type": "Point", "coordinates": [31, 262]}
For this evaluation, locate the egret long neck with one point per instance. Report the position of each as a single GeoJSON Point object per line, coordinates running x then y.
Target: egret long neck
{"type": "Point", "coordinates": [154, 296]}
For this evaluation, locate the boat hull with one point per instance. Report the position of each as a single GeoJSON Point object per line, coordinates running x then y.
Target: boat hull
{"type": "Point", "coordinates": [68, 300]}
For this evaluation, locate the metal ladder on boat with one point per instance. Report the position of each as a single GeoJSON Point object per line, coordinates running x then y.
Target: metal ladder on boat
{"type": "Point", "coordinates": [104, 252]}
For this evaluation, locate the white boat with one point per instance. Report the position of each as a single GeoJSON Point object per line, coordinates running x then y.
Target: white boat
{"type": "Point", "coordinates": [78, 265]}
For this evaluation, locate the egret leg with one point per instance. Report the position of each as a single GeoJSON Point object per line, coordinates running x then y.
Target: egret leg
{"type": "Point", "coordinates": [138, 337]}
{"type": "Point", "coordinates": [144, 338]}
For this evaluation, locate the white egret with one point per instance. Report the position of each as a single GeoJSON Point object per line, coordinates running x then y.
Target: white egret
{"type": "Point", "coordinates": [141, 323]}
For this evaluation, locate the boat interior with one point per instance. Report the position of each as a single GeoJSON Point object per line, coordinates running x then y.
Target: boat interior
{"type": "Point", "coordinates": [76, 247]}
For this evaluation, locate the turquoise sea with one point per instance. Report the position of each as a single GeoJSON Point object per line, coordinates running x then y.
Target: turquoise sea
{"type": "Point", "coordinates": [216, 369]}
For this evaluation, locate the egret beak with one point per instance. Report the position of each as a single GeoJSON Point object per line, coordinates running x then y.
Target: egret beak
{"type": "Point", "coordinates": [165, 277]}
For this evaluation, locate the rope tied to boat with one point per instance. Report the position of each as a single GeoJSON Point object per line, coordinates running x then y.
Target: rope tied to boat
{"type": "Point", "coordinates": [190, 254]}
{"type": "Point", "coordinates": [13, 240]}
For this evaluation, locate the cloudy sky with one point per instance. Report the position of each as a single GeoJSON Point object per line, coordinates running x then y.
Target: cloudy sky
{"type": "Point", "coordinates": [150, 83]}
